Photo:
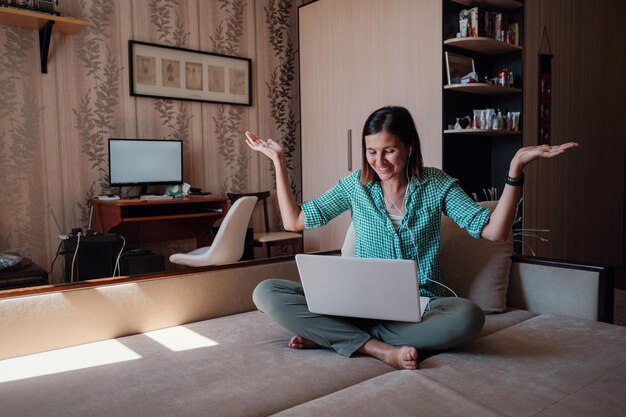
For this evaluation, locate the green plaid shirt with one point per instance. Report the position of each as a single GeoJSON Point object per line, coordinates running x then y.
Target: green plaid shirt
{"type": "Point", "coordinates": [417, 238]}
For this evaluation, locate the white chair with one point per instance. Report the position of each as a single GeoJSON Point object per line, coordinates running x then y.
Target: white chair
{"type": "Point", "coordinates": [228, 244]}
{"type": "Point", "coordinates": [269, 239]}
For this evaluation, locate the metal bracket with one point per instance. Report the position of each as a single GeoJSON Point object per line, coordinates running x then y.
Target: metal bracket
{"type": "Point", "coordinates": [45, 35]}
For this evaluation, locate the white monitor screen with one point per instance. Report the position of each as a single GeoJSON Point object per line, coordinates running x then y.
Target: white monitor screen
{"type": "Point", "coordinates": [145, 161]}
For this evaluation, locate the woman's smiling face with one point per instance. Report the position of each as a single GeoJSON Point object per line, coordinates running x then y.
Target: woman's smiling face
{"type": "Point", "coordinates": [386, 154]}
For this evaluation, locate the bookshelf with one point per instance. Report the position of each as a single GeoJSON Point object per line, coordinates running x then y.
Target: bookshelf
{"type": "Point", "coordinates": [479, 158]}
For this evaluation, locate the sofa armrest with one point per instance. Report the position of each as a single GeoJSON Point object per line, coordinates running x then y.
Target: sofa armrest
{"type": "Point", "coordinates": [555, 287]}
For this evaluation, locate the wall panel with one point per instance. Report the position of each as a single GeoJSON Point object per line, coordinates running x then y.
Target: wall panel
{"type": "Point", "coordinates": [579, 197]}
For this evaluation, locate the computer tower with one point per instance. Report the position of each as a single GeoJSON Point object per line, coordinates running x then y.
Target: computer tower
{"type": "Point", "coordinates": [92, 255]}
{"type": "Point", "coordinates": [143, 262]}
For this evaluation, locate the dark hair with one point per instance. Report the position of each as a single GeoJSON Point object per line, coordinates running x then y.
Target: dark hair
{"type": "Point", "coordinates": [397, 121]}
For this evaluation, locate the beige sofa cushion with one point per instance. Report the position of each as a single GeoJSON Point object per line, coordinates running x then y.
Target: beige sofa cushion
{"type": "Point", "coordinates": [525, 370]}
{"type": "Point", "coordinates": [545, 366]}
{"type": "Point", "coordinates": [246, 370]}
{"type": "Point", "coordinates": [499, 321]}
{"type": "Point", "coordinates": [476, 269]}
{"type": "Point", "coordinates": [397, 394]}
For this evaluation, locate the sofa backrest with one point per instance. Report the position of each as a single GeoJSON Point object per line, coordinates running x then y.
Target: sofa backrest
{"type": "Point", "coordinates": [38, 323]}
{"type": "Point", "coordinates": [476, 269]}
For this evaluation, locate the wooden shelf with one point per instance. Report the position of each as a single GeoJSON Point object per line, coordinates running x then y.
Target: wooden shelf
{"type": "Point", "coordinates": [481, 132]}
{"type": "Point", "coordinates": [37, 20]}
{"type": "Point", "coordinates": [45, 23]}
{"type": "Point", "coordinates": [483, 45]}
{"type": "Point", "coordinates": [172, 217]}
{"type": "Point", "coordinates": [500, 4]}
{"type": "Point", "coordinates": [482, 89]}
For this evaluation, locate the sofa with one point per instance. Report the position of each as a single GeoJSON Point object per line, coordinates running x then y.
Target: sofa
{"type": "Point", "coordinates": [192, 344]}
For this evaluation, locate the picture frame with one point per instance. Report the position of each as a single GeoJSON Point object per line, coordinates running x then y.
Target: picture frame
{"type": "Point", "coordinates": [162, 71]}
{"type": "Point", "coordinates": [458, 66]}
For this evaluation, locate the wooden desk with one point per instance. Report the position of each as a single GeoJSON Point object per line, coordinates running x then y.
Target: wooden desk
{"type": "Point", "coordinates": [141, 221]}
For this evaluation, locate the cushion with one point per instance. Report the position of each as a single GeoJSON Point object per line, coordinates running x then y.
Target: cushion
{"type": "Point", "coordinates": [237, 365]}
{"type": "Point", "coordinates": [476, 269]}
{"type": "Point", "coordinates": [545, 366]}
{"type": "Point", "coordinates": [500, 321]}
{"type": "Point", "coordinates": [398, 394]}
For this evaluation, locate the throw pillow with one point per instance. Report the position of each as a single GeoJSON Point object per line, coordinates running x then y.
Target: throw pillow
{"type": "Point", "coordinates": [475, 269]}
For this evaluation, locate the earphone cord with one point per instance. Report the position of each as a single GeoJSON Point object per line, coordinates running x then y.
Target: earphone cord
{"type": "Point", "coordinates": [413, 238]}
{"type": "Point", "coordinates": [418, 262]}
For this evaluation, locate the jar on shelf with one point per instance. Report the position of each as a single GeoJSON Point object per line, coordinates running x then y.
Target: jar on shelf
{"type": "Point", "coordinates": [503, 77]}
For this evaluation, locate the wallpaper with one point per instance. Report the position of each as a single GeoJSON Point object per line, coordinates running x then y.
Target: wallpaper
{"type": "Point", "coordinates": [54, 127]}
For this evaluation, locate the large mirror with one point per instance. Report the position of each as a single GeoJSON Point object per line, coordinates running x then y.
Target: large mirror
{"type": "Point", "coordinates": [55, 127]}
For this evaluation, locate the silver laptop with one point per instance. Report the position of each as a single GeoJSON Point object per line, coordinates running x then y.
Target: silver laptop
{"type": "Point", "coordinates": [384, 289]}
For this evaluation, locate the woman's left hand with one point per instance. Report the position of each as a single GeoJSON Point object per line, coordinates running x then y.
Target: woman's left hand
{"type": "Point", "coordinates": [530, 153]}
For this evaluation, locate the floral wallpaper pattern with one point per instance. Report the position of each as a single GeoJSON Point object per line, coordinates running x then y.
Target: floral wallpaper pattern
{"type": "Point", "coordinates": [228, 120]}
{"type": "Point", "coordinates": [54, 127]}
{"type": "Point", "coordinates": [96, 113]}
{"type": "Point", "coordinates": [21, 200]}
{"type": "Point", "coordinates": [281, 86]}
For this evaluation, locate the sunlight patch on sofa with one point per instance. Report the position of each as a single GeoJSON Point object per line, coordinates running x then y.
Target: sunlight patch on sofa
{"type": "Point", "coordinates": [179, 338]}
{"type": "Point", "coordinates": [67, 359]}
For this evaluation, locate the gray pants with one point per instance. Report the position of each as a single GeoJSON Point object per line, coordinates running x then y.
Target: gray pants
{"type": "Point", "coordinates": [447, 323]}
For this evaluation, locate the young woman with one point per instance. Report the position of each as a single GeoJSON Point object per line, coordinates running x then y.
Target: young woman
{"type": "Point", "coordinates": [396, 206]}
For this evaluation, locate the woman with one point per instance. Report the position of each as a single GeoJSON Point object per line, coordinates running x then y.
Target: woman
{"type": "Point", "coordinates": [396, 206]}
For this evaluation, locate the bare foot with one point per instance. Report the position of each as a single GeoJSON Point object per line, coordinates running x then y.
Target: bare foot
{"type": "Point", "coordinates": [404, 357]}
{"type": "Point", "coordinates": [299, 342]}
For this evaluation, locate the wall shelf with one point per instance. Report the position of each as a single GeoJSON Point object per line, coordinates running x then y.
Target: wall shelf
{"type": "Point", "coordinates": [500, 4]}
{"type": "Point", "coordinates": [43, 22]}
{"type": "Point", "coordinates": [481, 132]}
{"type": "Point", "coordinates": [488, 46]}
{"type": "Point", "coordinates": [482, 89]}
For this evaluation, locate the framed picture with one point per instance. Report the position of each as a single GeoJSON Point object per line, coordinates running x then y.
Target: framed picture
{"type": "Point", "coordinates": [161, 71]}
{"type": "Point", "coordinates": [457, 66]}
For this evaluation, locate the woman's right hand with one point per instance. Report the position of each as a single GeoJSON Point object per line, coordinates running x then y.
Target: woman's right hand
{"type": "Point", "coordinates": [292, 215]}
{"type": "Point", "coordinates": [267, 147]}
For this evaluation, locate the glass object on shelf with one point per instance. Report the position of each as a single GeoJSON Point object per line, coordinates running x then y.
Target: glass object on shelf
{"type": "Point", "coordinates": [489, 119]}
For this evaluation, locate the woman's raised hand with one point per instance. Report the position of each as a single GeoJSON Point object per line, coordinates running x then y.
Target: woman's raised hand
{"type": "Point", "coordinates": [290, 212]}
{"type": "Point", "coordinates": [530, 153]}
{"type": "Point", "coordinates": [267, 147]}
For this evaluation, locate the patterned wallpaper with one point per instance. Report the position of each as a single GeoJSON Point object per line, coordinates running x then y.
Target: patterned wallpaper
{"type": "Point", "coordinates": [54, 127]}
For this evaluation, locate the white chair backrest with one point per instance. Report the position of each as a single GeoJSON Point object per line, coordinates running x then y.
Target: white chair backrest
{"type": "Point", "coordinates": [228, 245]}
{"type": "Point", "coordinates": [347, 249]}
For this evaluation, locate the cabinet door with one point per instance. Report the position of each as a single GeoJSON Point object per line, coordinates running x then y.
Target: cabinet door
{"type": "Point", "coordinates": [326, 66]}
{"type": "Point", "coordinates": [357, 56]}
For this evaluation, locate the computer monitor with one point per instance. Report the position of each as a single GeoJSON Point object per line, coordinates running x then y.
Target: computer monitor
{"type": "Point", "coordinates": [145, 162]}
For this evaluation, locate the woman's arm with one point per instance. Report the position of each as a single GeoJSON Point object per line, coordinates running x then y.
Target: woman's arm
{"type": "Point", "coordinates": [290, 212]}
{"type": "Point", "coordinates": [501, 220]}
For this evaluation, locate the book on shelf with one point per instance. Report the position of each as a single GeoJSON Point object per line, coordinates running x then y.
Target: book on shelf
{"type": "Point", "coordinates": [476, 22]}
